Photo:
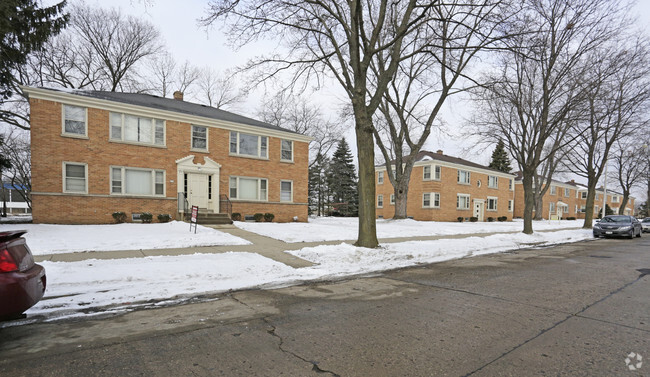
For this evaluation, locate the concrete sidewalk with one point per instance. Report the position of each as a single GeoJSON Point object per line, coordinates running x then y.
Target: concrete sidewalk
{"type": "Point", "coordinates": [262, 245]}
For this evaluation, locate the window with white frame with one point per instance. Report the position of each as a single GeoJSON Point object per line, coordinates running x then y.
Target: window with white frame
{"type": "Point", "coordinates": [380, 201]}
{"type": "Point", "coordinates": [286, 150]}
{"type": "Point", "coordinates": [248, 145]}
{"type": "Point", "coordinates": [491, 204]}
{"type": "Point", "coordinates": [137, 181]}
{"type": "Point", "coordinates": [246, 188]}
{"type": "Point", "coordinates": [74, 121]}
{"type": "Point", "coordinates": [199, 137]}
{"type": "Point", "coordinates": [131, 128]}
{"type": "Point", "coordinates": [493, 181]}
{"type": "Point", "coordinates": [431, 200]}
{"type": "Point", "coordinates": [567, 192]}
{"type": "Point", "coordinates": [615, 198]}
{"type": "Point", "coordinates": [553, 190]}
{"type": "Point", "coordinates": [552, 208]}
{"type": "Point", "coordinates": [583, 194]}
{"type": "Point", "coordinates": [436, 172]}
{"type": "Point", "coordinates": [392, 199]}
{"type": "Point", "coordinates": [510, 202]}
{"type": "Point", "coordinates": [75, 177]}
{"type": "Point", "coordinates": [583, 208]}
{"type": "Point", "coordinates": [380, 177]}
{"type": "Point", "coordinates": [462, 201]}
{"type": "Point", "coordinates": [286, 191]}
{"type": "Point", "coordinates": [427, 172]}
{"type": "Point", "coordinates": [576, 209]}
{"type": "Point", "coordinates": [511, 184]}
{"type": "Point", "coordinates": [463, 177]}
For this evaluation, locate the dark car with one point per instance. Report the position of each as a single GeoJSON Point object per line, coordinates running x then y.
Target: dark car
{"type": "Point", "coordinates": [22, 282]}
{"type": "Point", "coordinates": [618, 226]}
{"type": "Point", "coordinates": [645, 223]}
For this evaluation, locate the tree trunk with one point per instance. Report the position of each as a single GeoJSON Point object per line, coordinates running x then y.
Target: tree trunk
{"type": "Point", "coordinates": [589, 206]}
{"type": "Point", "coordinates": [401, 198]}
{"type": "Point", "coordinates": [529, 202]}
{"type": "Point", "coordinates": [539, 207]}
{"type": "Point", "coordinates": [626, 197]}
{"type": "Point", "coordinates": [366, 157]}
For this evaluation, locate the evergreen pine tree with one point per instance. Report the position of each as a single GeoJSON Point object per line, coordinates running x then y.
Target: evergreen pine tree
{"type": "Point", "coordinates": [318, 185]}
{"type": "Point", "coordinates": [500, 160]}
{"type": "Point", "coordinates": [343, 179]}
{"type": "Point", "coordinates": [24, 27]}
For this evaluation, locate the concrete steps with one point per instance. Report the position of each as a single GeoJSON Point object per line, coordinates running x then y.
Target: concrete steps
{"type": "Point", "coordinates": [210, 218]}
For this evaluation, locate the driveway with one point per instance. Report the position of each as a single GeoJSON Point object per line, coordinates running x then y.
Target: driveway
{"type": "Point", "coordinates": [577, 309]}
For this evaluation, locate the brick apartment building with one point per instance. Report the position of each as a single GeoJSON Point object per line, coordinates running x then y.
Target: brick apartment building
{"type": "Point", "coordinates": [568, 199]}
{"type": "Point", "coordinates": [443, 188]}
{"type": "Point", "coordinates": [95, 153]}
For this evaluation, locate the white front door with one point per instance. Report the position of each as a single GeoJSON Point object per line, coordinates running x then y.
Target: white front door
{"type": "Point", "coordinates": [197, 190]}
{"type": "Point", "coordinates": [478, 209]}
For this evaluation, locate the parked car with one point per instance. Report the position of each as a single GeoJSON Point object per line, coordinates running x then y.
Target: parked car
{"type": "Point", "coordinates": [618, 225]}
{"type": "Point", "coordinates": [645, 224]}
{"type": "Point", "coordinates": [22, 282]}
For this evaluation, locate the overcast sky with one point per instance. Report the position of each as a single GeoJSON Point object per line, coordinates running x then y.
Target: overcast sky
{"type": "Point", "coordinates": [177, 22]}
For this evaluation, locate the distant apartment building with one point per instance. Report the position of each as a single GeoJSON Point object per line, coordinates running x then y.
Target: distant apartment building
{"type": "Point", "coordinates": [443, 188]}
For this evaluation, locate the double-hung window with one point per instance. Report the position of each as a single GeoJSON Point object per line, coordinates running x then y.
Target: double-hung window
{"type": "Point", "coordinates": [491, 204]}
{"type": "Point", "coordinates": [436, 172]}
{"type": "Point", "coordinates": [286, 191]}
{"type": "Point", "coordinates": [567, 192]}
{"type": "Point", "coordinates": [553, 190]}
{"type": "Point", "coordinates": [246, 188]}
{"type": "Point", "coordinates": [137, 181]}
{"type": "Point", "coordinates": [248, 145]}
{"type": "Point", "coordinates": [493, 181]}
{"type": "Point", "coordinates": [615, 198]}
{"type": "Point", "coordinates": [392, 199]}
{"type": "Point", "coordinates": [200, 138]}
{"type": "Point", "coordinates": [75, 177]}
{"type": "Point", "coordinates": [380, 201]}
{"type": "Point", "coordinates": [583, 195]}
{"type": "Point", "coordinates": [510, 205]}
{"type": "Point", "coordinates": [463, 177]}
{"type": "Point", "coordinates": [431, 172]}
{"type": "Point", "coordinates": [427, 173]}
{"type": "Point", "coordinates": [286, 150]}
{"type": "Point", "coordinates": [431, 200]}
{"type": "Point", "coordinates": [510, 184]}
{"type": "Point", "coordinates": [462, 201]}
{"type": "Point", "coordinates": [380, 177]}
{"type": "Point", "coordinates": [552, 208]}
{"type": "Point", "coordinates": [74, 121]}
{"type": "Point", "coordinates": [135, 129]}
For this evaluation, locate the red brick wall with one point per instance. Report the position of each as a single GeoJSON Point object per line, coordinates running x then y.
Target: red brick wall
{"type": "Point", "coordinates": [50, 149]}
{"type": "Point", "coordinates": [448, 187]}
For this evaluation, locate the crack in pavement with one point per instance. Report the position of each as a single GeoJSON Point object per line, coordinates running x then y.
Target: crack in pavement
{"type": "Point", "coordinates": [271, 330]}
{"type": "Point", "coordinates": [543, 331]}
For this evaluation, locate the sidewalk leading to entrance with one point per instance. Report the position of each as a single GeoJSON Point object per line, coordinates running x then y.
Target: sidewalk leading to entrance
{"type": "Point", "coordinates": [262, 245]}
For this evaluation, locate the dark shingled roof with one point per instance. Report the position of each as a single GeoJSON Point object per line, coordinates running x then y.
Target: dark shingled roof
{"type": "Point", "coordinates": [454, 160]}
{"type": "Point", "coordinates": [168, 104]}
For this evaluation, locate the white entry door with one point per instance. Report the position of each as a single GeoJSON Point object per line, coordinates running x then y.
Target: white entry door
{"type": "Point", "coordinates": [198, 190]}
{"type": "Point", "coordinates": [478, 209]}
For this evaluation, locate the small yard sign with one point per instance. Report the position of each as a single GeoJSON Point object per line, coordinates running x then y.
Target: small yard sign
{"type": "Point", "coordinates": [194, 218]}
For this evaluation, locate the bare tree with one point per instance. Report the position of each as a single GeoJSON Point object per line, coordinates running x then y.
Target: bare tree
{"type": "Point", "coordinates": [14, 146]}
{"type": "Point", "coordinates": [340, 40]}
{"type": "Point", "coordinates": [536, 85]}
{"type": "Point", "coordinates": [615, 107]}
{"type": "Point", "coordinates": [629, 168]}
{"type": "Point", "coordinates": [167, 76]}
{"type": "Point", "coordinates": [298, 115]}
{"type": "Point", "coordinates": [436, 60]}
{"type": "Point", "coordinates": [218, 90]}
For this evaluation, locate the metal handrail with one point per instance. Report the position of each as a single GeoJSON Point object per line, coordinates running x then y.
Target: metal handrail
{"type": "Point", "coordinates": [225, 202]}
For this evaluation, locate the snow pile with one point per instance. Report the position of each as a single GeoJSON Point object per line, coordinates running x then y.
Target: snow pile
{"type": "Point", "coordinates": [52, 239]}
{"type": "Point", "coordinates": [100, 286]}
{"type": "Point", "coordinates": [346, 228]}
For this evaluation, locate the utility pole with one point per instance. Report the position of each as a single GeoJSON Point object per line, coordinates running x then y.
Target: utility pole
{"type": "Point", "coordinates": [605, 196]}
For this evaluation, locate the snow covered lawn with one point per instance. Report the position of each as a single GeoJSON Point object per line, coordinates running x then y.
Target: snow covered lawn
{"type": "Point", "coordinates": [346, 228]}
{"type": "Point", "coordinates": [52, 239]}
{"type": "Point", "coordinates": [90, 286]}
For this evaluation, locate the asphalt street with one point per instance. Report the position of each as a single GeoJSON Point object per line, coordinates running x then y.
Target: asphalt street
{"type": "Point", "coordinates": [579, 309]}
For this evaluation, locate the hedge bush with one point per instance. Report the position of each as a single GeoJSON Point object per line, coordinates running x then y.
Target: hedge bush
{"type": "Point", "coordinates": [268, 217]}
{"type": "Point", "coordinates": [490, 219]}
{"type": "Point", "coordinates": [502, 218]}
{"type": "Point", "coordinates": [258, 217]}
{"type": "Point", "coordinates": [119, 217]}
{"type": "Point", "coordinates": [164, 218]}
{"type": "Point", "coordinates": [460, 219]}
{"type": "Point", "coordinates": [571, 218]}
{"type": "Point", "coordinates": [146, 217]}
{"type": "Point", "coordinates": [473, 219]}
{"type": "Point", "coordinates": [236, 216]}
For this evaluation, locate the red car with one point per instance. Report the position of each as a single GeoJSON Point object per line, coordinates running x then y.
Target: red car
{"type": "Point", "coordinates": [22, 282]}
